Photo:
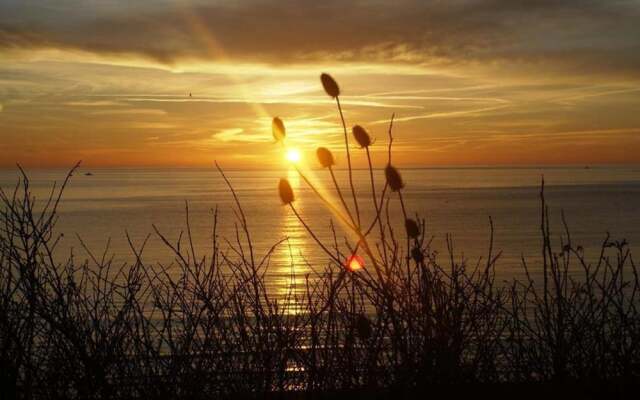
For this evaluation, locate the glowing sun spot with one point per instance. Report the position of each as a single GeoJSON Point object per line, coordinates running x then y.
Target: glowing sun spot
{"type": "Point", "coordinates": [293, 156]}
{"type": "Point", "coordinates": [355, 263]}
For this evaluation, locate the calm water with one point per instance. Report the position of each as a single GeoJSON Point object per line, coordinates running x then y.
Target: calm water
{"type": "Point", "coordinates": [454, 201]}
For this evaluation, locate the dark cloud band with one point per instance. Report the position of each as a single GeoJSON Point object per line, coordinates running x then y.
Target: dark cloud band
{"type": "Point", "coordinates": [591, 36]}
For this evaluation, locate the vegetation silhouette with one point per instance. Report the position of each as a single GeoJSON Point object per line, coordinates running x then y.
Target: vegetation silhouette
{"type": "Point", "coordinates": [386, 316]}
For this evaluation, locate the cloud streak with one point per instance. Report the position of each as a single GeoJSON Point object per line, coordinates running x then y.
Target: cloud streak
{"type": "Point", "coordinates": [592, 36]}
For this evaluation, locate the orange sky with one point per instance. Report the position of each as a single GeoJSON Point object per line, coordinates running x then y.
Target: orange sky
{"type": "Point", "coordinates": [471, 83]}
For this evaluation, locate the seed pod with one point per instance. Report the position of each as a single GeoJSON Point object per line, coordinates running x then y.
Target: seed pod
{"type": "Point", "coordinates": [286, 193]}
{"type": "Point", "coordinates": [394, 180]}
{"type": "Point", "coordinates": [413, 230]}
{"type": "Point", "coordinates": [417, 255]}
{"type": "Point", "coordinates": [325, 157]}
{"type": "Point", "coordinates": [278, 129]}
{"type": "Point", "coordinates": [362, 137]}
{"type": "Point", "coordinates": [330, 85]}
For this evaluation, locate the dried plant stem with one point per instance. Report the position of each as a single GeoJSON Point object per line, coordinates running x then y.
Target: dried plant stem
{"type": "Point", "coordinates": [404, 210]}
{"type": "Point", "coordinates": [344, 203]}
{"type": "Point", "coordinates": [313, 235]}
{"type": "Point", "coordinates": [331, 207]}
{"type": "Point", "coordinates": [356, 230]}
{"type": "Point", "coordinates": [373, 182]}
{"type": "Point", "coordinates": [245, 226]}
{"type": "Point", "coordinates": [378, 217]}
{"type": "Point", "coordinates": [346, 144]}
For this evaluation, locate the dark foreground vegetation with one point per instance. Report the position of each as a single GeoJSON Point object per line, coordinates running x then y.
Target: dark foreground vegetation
{"type": "Point", "coordinates": [409, 322]}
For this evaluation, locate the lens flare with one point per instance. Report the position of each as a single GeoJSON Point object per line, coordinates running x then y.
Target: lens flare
{"type": "Point", "coordinates": [355, 263]}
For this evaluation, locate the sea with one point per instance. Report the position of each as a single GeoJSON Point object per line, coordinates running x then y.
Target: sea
{"type": "Point", "coordinates": [106, 211]}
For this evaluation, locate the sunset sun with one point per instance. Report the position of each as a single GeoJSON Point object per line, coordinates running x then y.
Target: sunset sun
{"type": "Point", "coordinates": [293, 156]}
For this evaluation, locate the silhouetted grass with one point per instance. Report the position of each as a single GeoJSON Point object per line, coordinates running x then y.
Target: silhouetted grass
{"type": "Point", "coordinates": [206, 325]}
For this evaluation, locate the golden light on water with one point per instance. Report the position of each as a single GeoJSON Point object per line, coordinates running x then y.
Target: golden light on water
{"type": "Point", "coordinates": [289, 266]}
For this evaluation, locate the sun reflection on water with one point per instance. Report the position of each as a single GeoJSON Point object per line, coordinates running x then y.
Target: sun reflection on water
{"type": "Point", "coordinates": [290, 267]}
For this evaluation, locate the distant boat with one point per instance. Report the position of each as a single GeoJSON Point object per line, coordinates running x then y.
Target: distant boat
{"type": "Point", "coordinates": [587, 167]}
{"type": "Point", "coordinates": [88, 174]}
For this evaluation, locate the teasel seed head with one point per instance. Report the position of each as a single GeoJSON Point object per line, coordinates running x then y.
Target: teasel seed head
{"type": "Point", "coordinates": [413, 230]}
{"type": "Point", "coordinates": [362, 137]}
{"type": "Point", "coordinates": [330, 85]}
{"type": "Point", "coordinates": [394, 180]}
{"type": "Point", "coordinates": [416, 254]}
{"type": "Point", "coordinates": [286, 193]}
{"type": "Point", "coordinates": [325, 157]}
{"type": "Point", "coordinates": [278, 129]}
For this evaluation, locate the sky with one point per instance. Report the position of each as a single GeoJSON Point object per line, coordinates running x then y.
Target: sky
{"type": "Point", "coordinates": [497, 82]}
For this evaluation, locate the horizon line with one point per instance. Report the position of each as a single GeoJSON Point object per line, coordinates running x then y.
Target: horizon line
{"type": "Point", "coordinates": [250, 169]}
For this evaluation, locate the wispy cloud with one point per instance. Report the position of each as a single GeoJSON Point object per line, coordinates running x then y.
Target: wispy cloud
{"type": "Point", "coordinates": [93, 103]}
{"type": "Point", "coordinates": [151, 125]}
{"type": "Point", "coordinates": [131, 111]}
{"type": "Point", "coordinates": [294, 100]}
{"type": "Point", "coordinates": [597, 91]}
{"type": "Point", "coordinates": [449, 114]}
{"type": "Point", "coordinates": [238, 135]}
